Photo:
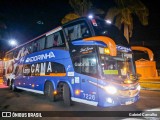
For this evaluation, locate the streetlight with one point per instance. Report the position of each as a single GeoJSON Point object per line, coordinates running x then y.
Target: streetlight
{"type": "Point", "coordinates": [90, 16]}
{"type": "Point", "coordinates": [12, 42]}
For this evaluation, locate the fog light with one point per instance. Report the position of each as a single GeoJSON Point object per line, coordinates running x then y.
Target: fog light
{"type": "Point", "coordinates": [77, 92]}
{"type": "Point", "coordinates": [109, 100]}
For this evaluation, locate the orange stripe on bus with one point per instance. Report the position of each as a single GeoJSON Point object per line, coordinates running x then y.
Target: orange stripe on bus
{"type": "Point", "coordinates": [108, 41]}
{"type": "Point", "coordinates": [54, 74]}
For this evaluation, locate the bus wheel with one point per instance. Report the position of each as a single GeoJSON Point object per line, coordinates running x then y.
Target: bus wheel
{"type": "Point", "coordinates": [48, 91]}
{"type": "Point", "coordinates": [66, 95]}
{"type": "Point", "coordinates": [13, 88]}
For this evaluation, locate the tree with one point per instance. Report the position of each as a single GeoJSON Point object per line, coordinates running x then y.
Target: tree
{"type": "Point", "coordinates": [81, 8]}
{"type": "Point", "coordinates": [123, 13]}
{"type": "Point", "coordinates": [69, 17]}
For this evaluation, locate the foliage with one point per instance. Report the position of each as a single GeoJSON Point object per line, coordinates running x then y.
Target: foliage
{"type": "Point", "coordinates": [69, 17]}
{"type": "Point", "coordinates": [123, 13]}
{"type": "Point", "coordinates": [81, 8]}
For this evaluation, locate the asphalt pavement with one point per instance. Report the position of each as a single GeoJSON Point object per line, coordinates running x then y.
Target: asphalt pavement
{"type": "Point", "coordinates": [27, 101]}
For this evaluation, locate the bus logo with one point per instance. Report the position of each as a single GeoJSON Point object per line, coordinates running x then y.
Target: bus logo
{"type": "Point", "coordinates": [40, 57]}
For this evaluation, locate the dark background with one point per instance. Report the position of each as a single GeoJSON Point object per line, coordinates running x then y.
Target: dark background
{"type": "Point", "coordinates": [26, 19]}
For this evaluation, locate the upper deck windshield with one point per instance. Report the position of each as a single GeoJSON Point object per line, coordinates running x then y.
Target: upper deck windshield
{"type": "Point", "coordinates": [102, 28]}
{"type": "Point", "coordinates": [119, 68]}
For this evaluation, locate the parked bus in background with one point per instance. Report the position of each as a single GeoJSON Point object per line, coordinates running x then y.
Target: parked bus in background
{"type": "Point", "coordinates": [86, 60]}
{"type": "Point", "coordinates": [145, 64]}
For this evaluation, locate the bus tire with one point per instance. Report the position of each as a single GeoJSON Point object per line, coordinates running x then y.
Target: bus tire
{"type": "Point", "coordinates": [66, 95]}
{"type": "Point", "coordinates": [12, 86]}
{"type": "Point", "coordinates": [48, 91]}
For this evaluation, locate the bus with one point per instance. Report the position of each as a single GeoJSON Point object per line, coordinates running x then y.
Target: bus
{"type": "Point", "coordinates": [145, 64]}
{"type": "Point", "coordinates": [86, 60]}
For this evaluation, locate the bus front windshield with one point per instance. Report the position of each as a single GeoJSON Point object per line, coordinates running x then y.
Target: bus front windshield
{"type": "Point", "coordinates": [102, 28]}
{"type": "Point", "coordinates": [119, 68]}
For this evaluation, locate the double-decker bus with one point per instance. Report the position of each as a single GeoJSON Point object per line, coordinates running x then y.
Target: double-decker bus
{"type": "Point", "coordinates": [85, 60]}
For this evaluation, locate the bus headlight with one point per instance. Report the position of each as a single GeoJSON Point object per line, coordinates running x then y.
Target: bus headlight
{"type": "Point", "coordinates": [111, 89]}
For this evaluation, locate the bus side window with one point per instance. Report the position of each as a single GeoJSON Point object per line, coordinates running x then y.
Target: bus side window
{"type": "Point", "coordinates": [89, 64]}
{"type": "Point", "coordinates": [40, 44]}
{"type": "Point", "coordinates": [55, 39]}
{"type": "Point", "coordinates": [19, 70]}
{"type": "Point", "coordinates": [29, 49]}
{"type": "Point", "coordinates": [85, 31]}
{"type": "Point", "coordinates": [58, 68]}
{"type": "Point", "coordinates": [77, 63]}
{"type": "Point", "coordinates": [27, 70]}
{"type": "Point", "coordinates": [85, 64]}
{"type": "Point", "coordinates": [77, 31]}
{"type": "Point", "coordinates": [69, 33]}
{"type": "Point", "coordinates": [49, 41]}
{"type": "Point", "coordinates": [35, 46]}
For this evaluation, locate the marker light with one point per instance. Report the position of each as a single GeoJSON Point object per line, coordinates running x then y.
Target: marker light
{"type": "Point", "coordinates": [55, 92]}
{"type": "Point", "coordinates": [111, 89]}
{"type": "Point", "coordinates": [108, 21]}
{"type": "Point", "coordinates": [106, 51]}
{"type": "Point", "coordinates": [4, 59]}
{"type": "Point", "coordinates": [33, 85]}
{"type": "Point", "coordinates": [128, 81]}
{"type": "Point", "coordinates": [77, 92]}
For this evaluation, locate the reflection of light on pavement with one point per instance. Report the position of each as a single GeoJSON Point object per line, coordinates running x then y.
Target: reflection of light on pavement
{"type": "Point", "coordinates": [3, 86]}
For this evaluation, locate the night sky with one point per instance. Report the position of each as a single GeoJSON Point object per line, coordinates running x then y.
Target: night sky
{"type": "Point", "coordinates": [26, 19]}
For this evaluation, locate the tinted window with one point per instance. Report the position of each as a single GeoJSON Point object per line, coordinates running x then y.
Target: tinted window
{"type": "Point", "coordinates": [29, 48]}
{"type": "Point", "coordinates": [89, 64]}
{"type": "Point", "coordinates": [26, 70]}
{"type": "Point", "coordinates": [38, 45]}
{"type": "Point", "coordinates": [55, 39]}
{"type": "Point", "coordinates": [77, 31]}
{"type": "Point", "coordinates": [18, 70]}
{"type": "Point", "coordinates": [101, 28]}
{"type": "Point", "coordinates": [46, 68]}
{"type": "Point", "coordinates": [84, 59]}
{"type": "Point", "coordinates": [85, 64]}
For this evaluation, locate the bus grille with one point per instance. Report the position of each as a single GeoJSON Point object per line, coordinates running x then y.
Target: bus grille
{"type": "Point", "coordinates": [128, 93]}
